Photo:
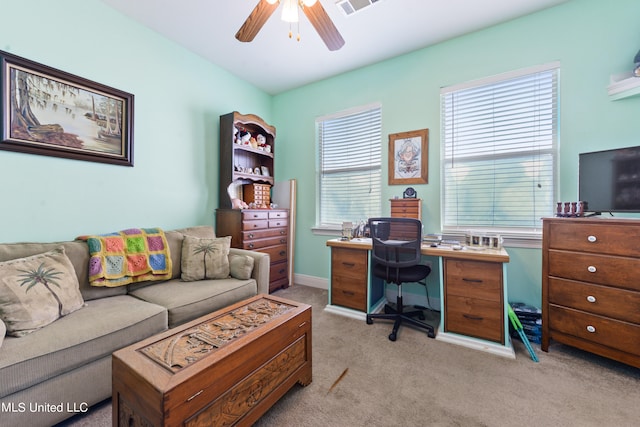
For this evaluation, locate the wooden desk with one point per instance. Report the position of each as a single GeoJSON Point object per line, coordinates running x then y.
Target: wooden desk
{"type": "Point", "coordinates": [473, 292]}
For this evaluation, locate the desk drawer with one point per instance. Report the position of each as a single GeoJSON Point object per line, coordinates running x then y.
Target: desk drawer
{"type": "Point", "coordinates": [473, 279]}
{"type": "Point", "coordinates": [475, 317]}
{"type": "Point", "coordinates": [349, 263]}
{"type": "Point", "coordinates": [347, 292]}
{"type": "Point", "coordinates": [603, 269]}
{"type": "Point", "coordinates": [598, 329]}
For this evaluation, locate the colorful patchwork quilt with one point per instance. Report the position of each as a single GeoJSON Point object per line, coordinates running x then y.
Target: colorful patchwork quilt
{"type": "Point", "coordinates": [128, 256]}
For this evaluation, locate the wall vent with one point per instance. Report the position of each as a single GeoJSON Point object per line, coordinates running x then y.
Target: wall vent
{"type": "Point", "coordinates": [349, 7]}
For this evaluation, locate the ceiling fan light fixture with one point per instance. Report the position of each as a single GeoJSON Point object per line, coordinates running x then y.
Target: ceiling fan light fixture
{"type": "Point", "coordinates": [272, 1]}
{"type": "Point", "coordinates": [290, 11]}
{"type": "Point", "coordinates": [309, 3]}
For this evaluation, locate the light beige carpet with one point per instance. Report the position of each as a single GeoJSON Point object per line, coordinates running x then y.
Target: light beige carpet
{"type": "Point", "coordinates": [418, 381]}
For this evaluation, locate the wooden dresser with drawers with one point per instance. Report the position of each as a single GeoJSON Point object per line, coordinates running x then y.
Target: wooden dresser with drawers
{"type": "Point", "coordinates": [591, 286]}
{"type": "Point", "coordinates": [262, 230]}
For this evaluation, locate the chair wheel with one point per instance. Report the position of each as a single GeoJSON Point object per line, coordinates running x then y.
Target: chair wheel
{"type": "Point", "coordinates": [431, 334]}
{"type": "Point", "coordinates": [369, 320]}
{"type": "Point", "coordinates": [392, 337]}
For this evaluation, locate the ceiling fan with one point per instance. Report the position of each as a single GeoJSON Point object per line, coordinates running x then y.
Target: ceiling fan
{"type": "Point", "coordinates": [312, 9]}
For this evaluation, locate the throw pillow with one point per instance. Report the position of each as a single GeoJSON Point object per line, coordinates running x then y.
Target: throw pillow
{"type": "Point", "coordinates": [37, 290]}
{"type": "Point", "coordinates": [240, 266]}
{"type": "Point", "coordinates": [205, 258]}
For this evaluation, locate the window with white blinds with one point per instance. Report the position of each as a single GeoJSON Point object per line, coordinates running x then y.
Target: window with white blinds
{"type": "Point", "coordinates": [349, 166]}
{"type": "Point", "coordinates": [499, 148]}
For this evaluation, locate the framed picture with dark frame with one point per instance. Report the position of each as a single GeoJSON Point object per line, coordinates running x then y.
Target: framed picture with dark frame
{"type": "Point", "coordinates": [409, 157]}
{"type": "Point", "coordinates": [51, 112]}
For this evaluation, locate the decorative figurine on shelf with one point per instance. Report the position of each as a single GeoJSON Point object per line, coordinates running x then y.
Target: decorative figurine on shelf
{"type": "Point", "coordinates": [243, 137]}
{"type": "Point", "coordinates": [262, 142]}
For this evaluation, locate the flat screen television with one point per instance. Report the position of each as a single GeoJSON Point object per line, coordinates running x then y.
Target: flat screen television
{"type": "Point", "coordinates": [609, 181]}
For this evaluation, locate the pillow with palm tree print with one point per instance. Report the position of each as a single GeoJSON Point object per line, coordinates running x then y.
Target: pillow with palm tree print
{"type": "Point", "coordinates": [205, 258]}
{"type": "Point", "coordinates": [37, 290]}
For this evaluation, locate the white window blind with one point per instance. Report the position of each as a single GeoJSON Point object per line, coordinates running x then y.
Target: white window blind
{"type": "Point", "coordinates": [349, 166]}
{"type": "Point", "coordinates": [500, 142]}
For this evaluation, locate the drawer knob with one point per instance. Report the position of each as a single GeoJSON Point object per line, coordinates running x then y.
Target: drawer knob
{"type": "Point", "coordinates": [283, 253]}
{"type": "Point", "coordinates": [592, 239]}
{"type": "Point", "coordinates": [251, 245]}
{"type": "Point", "coordinates": [251, 235]}
{"type": "Point", "coordinates": [591, 298]}
{"type": "Point", "coordinates": [591, 269]}
{"type": "Point", "coordinates": [591, 329]}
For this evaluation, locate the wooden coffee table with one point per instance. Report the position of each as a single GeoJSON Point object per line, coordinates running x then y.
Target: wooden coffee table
{"type": "Point", "coordinates": [226, 368]}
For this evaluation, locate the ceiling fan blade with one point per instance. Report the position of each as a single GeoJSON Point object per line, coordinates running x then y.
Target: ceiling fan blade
{"type": "Point", "coordinates": [324, 26]}
{"type": "Point", "coordinates": [256, 20]}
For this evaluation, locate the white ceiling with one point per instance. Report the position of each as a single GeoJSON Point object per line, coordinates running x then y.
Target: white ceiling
{"type": "Point", "coordinates": [275, 63]}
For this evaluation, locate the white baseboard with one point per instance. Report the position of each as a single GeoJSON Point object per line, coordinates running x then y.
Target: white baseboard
{"type": "Point", "coordinates": [476, 344]}
{"type": "Point", "coordinates": [312, 281]}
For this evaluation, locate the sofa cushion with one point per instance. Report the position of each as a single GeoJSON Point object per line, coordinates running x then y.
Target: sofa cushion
{"type": "Point", "coordinates": [37, 290]}
{"type": "Point", "coordinates": [240, 266]}
{"type": "Point", "coordinates": [77, 252]}
{"type": "Point", "coordinates": [204, 258]}
{"type": "Point", "coordinates": [189, 300]}
{"type": "Point", "coordinates": [101, 327]}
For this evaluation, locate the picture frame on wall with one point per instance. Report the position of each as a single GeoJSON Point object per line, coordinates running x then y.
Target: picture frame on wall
{"type": "Point", "coordinates": [50, 112]}
{"type": "Point", "coordinates": [409, 157]}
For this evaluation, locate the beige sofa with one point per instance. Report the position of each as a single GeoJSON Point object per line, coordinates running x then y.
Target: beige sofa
{"type": "Point", "coordinates": [65, 367]}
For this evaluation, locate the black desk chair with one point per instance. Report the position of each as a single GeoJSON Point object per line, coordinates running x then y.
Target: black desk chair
{"type": "Point", "coordinates": [396, 259]}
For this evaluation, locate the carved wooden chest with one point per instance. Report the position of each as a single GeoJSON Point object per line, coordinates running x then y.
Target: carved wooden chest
{"type": "Point", "coordinates": [226, 368]}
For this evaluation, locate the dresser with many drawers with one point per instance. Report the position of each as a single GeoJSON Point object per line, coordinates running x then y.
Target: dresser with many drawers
{"type": "Point", "coordinates": [262, 230]}
{"type": "Point", "coordinates": [591, 286]}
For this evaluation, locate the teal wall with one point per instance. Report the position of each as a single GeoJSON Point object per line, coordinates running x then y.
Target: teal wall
{"type": "Point", "coordinates": [179, 97]}
{"type": "Point", "coordinates": [592, 39]}
{"type": "Point", "coordinates": [178, 100]}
